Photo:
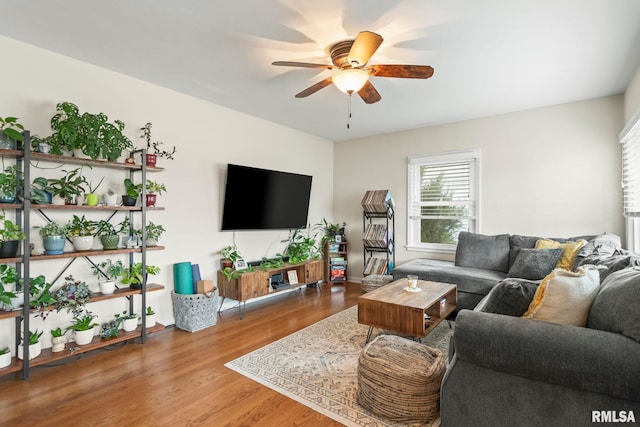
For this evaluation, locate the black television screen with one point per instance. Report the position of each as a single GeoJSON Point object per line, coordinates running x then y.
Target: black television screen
{"type": "Point", "coordinates": [262, 199]}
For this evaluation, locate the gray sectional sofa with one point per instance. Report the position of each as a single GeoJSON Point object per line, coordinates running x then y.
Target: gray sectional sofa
{"type": "Point", "coordinates": [481, 262]}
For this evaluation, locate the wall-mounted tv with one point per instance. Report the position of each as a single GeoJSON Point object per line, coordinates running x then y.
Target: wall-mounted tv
{"type": "Point", "coordinates": [263, 199]}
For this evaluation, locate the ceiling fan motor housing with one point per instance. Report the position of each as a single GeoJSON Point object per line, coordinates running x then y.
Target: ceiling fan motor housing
{"type": "Point", "coordinates": [340, 54]}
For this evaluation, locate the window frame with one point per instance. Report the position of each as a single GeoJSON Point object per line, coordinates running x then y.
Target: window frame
{"type": "Point", "coordinates": [413, 224]}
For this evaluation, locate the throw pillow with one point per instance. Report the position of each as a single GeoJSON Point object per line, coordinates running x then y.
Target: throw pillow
{"type": "Point", "coordinates": [510, 297]}
{"type": "Point", "coordinates": [569, 251]}
{"type": "Point", "coordinates": [517, 242]}
{"type": "Point", "coordinates": [605, 244]}
{"type": "Point", "coordinates": [616, 307]}
{"type": "Point", "coordinates": [565, 296]}
{"type": "Point", "coordinates": [480, 251]}
{"type": "Point", "coordinates": [611, 263]}
{"type": "Point", "coordinates": [534, 264]}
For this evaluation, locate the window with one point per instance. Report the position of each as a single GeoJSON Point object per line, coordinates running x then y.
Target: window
{"type": "Point", "coordinates": [630, 139]}
{"type": "Point", "coordinates": [442, 199]}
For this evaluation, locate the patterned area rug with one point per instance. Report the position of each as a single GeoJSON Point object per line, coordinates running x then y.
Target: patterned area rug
{"type": "Point", "coordinates": [317, 366]}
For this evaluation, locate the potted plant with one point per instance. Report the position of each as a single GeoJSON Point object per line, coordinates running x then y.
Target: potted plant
{"type": "Point", "coordinates": [5, 357]}
{"type": "Point", "coordinates": [150, 317]}
{"type": "Point", "coordinates": [6, 297]}
{"type": "Point", "coordinates": [8, 282]}
{"type": "Point", "coordinates": [154, 189]}
{"type": "Point", "coordinates": [230, 255]}
{"type": "Point", "coordinates": [81, 231]}
{"type": "Point", "coordinates": [108, 235]}
{"type": "Point", "coordinates": [129, 321]}
{"type": "Point", "coordinates": [134, 276]}
{"type": "Point", "coordinates": [53, 238]}
{"type": "Point", "coordinates": [329, 231]}
{"type": "Point", "coordinates": [10, 184]}
{"type": "Point", "coordinates": [92, 197]}
{"type": "Point", "coordinates": [133, 192]}
{"type": "Point", "coordinates": [41, 191]}
{"type": "Point", "coordinates": [83, 325]}
{"type": "Point", "coordinates": [10, 132]}
{"type": "Point", "coordinates": [70, 186]}
{"type": "Point", "coordinates": [153, 233]}
{"type": "Point", "coordinates": [108, 271]}
{"type": "Point", "coordinates": [87, 134]}
{"type": "Point", "coordinates": [35, 348]}
{"type": "Point", "coordinates": [10, 237]}
{"type": "Point", "coordinates": [110, 198]}
{"type": "Point", "coordinates": [110, 329]}
{"type": "Point", "coordinates": [300, 247]}
{"type": "Point", "coordinates": [40, 145]}
{"type": "Point", "coordinates": [40, 298]}
{"type": "Point", "coordinates": [153, 148]}
{"type": "Point", "coordinates": [58, 340]}
{"type": "Point", "coordinates": [72, 294]}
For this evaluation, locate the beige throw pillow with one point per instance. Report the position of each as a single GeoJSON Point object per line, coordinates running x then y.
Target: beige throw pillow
{"type": "Point", "coordinates": [565, 296]}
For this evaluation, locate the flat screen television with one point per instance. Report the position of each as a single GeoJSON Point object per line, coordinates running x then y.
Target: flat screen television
{"type": "Point", "coordinates": [263, 199]}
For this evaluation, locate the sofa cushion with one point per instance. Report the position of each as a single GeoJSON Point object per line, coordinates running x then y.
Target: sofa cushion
{"type": "Point", "coordinates": [517, 242]}
{"type": "Point", "coordinates": [534, 264]}
{"type": "Point", "coordinates": [616, 307]}
{"type": "Point", "coordinates": [485, 252]}
{"type": "Point", "coordinates": [569, 251]}
{"type": "Point", "coordinates": [510, 297]}
{"type": "Point", "coordinates": [565, 296]}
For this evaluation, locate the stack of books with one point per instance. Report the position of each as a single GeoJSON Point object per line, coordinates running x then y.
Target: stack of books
{"type": "Point", "coordinates": [338, 268]}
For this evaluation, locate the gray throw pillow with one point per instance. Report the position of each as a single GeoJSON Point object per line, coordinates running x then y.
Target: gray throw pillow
{"type": "Point", "coordinates": [615, 308]}
{"type": "Point", "coordinates": [517, 242]}
{"type": "Point", "coordinates": [534, 264]}
{"type": "Point", "coordinates": [510, 297]}
{"type": "Point", "coordinates": [612, 263]}
{"type": "Point", "coordinates": [480, 251]}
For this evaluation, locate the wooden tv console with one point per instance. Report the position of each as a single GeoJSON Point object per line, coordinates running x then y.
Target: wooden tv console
{"type": "Point", "coordinates": [254, 284]}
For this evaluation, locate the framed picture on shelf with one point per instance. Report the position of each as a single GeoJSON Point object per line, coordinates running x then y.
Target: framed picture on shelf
{"type": "Point", "coordinates": [338, 238]}
{"type": "Point", "coordinates": [240, 264]}
{"type": "Point", "coordinates": [293, 277]}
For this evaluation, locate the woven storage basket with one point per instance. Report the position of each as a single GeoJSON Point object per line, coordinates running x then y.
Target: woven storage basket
{"type": "Point", "coordinates": [399, 379]}
{"type": "Point", "coordinates": [194, 312]}
{"type": "Point", "coordinates": [374, 281]}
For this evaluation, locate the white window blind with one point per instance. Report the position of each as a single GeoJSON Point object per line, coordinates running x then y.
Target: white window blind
{"type": "Point", "coordinates": [630, 139]}
{"type": "Point", "coordinates": [443, 199]}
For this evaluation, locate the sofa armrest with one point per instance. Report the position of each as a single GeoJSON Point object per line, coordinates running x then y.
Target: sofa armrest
{"type": "Point", "coordinates": [582, 358]}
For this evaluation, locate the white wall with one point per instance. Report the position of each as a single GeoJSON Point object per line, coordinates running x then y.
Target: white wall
{"type": "Point", "coordinates": [551, 171]}
{"type": "Point", "coordinates": [632, 97]}
{"type": "Point", "coordinates": [207, 137]}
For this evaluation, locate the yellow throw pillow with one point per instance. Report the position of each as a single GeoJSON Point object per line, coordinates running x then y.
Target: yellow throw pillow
{"type": "Point", "coordinates": [569, 251]}
{"type": "Point", "coordinates": [565, 296]}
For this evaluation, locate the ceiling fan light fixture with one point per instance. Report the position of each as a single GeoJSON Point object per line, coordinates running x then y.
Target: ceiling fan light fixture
{"type": "Point", "coordinates": [350, 80]}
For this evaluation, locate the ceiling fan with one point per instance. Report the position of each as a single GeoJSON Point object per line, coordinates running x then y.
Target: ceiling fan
{"type": "Point", "coordinates": [350, 59]}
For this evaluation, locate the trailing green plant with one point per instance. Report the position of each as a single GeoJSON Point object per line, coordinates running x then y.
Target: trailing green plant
{"type": "Point", "coordinates": [134, 275]}
{"type": "Point", "coordinates": [301, 247]}
{"type": "Point", "coordinates": [231, 252]}
{"type": "Point", "coordinates": [9, 230]}
{"type": "Point", "coordinates": [80, 226]}
{"type": "Point", "coordinates": [267, 263]}
{"type": "Point", "coordinates": [91, 133]}
{"type": "Point", "coordinates": [58, 332]}
{"type": "Point", "coordinates": [41, 190]}
{"type": "Point", "coordinates": [108, 269]}
{"type": "Point", "coordinates": [11, 181]}
{"type": "Point", "coordinates": [52, 229]}
{"type": "Point", "coordinates": [70, 185]}
{"type": "Point", "coordinates": [230, 273]}
{"type": "Point", "coordinates": [11, 128]}
{"type": "Point", "coordinates": [82, 320]}
{"type": "Point", "coordinates": [72, 294]}
{"type": "Point", "coordinates": [154, 147]}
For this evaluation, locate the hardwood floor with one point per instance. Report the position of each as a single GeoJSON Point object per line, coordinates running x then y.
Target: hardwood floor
{"type": "Point", "coordinates": [177, 378]}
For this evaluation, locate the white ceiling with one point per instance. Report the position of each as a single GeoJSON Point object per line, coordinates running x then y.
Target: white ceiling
{"type": "Point", "coordinates": [490, 57]}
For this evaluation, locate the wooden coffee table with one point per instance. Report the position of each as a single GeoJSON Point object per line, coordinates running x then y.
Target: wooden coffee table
{"type": "Point", "coordinates": [393, 308]}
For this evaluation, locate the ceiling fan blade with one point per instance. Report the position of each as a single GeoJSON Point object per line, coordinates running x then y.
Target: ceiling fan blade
{"type": "Point", "coordinates": [364, 46]}
{"type": "Point", "coordinates": [301, 64]}
{"type": "Point", "coordinates": [313, 89]}
{"type": "Point", "coordinates": [369, 94]}
{"type": "Point", "coordinates": [402, 71]}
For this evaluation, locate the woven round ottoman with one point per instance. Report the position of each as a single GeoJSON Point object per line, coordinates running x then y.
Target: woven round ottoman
{"type": "Point", "coordinates": [399, 379]}
{"type": "Point", "coordinates": [374, 281]}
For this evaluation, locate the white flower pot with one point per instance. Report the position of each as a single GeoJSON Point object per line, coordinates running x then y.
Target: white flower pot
{"type": "Point", "coordinates": [82, 243]}
{"type": "Point", "coordinates": [34, 351]}
{"type": "Point", "coordinates": [130, 325]}
{"type": "Point", "coordinates": [107, 286]}
{"type": "Point", "coordinates": [110, 199]}
{"type": "Point", "coordinates": [57, 343]}
{"type": "Point", "coordinates": [150, 320]}
{"type": "Point", "coordinates": [84, 337]}
{"type": "Point", "coordinates": [5, 360]}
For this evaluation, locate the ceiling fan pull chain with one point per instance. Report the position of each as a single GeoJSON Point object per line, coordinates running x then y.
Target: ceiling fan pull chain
{"type": "Point", "coordinates": [349, 111]}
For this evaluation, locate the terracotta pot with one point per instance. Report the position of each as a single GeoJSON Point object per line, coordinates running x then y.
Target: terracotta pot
{"type": "Point", "coordinates": [151, 199]}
